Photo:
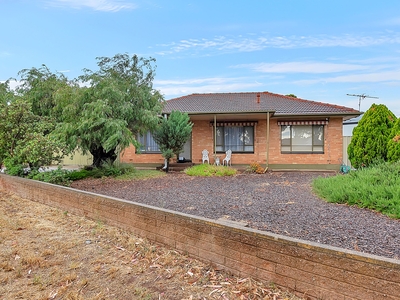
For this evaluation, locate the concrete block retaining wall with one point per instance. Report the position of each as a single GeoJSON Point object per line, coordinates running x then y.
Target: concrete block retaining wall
{"type": "Point", "coordinates": [308, 269]}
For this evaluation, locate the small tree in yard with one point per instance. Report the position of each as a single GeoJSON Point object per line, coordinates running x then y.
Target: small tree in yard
{"type": "Point", "coordinates": [394, 143]}
{"type": "Point", "coordinates": [370, 137]}
{"type": "Point", "coordinates": [172, 134]}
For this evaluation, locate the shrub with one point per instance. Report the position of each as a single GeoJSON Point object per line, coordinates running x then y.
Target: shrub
{"type": "Point", "coordinates": [59, 176]}
{"type": "Point", "coordinates": [80, 174]}
{"type": "Point", "coordinates": [255, 168]}
{"type": "Point", "coordinates": [17, 170]}
{"type": "Point", "coordinates": [394, 143]}
{"type": "Point", "coordinates": [370, 137]}
{"type": "Point", "coordinates": [113, 169]}
{"type": "Point", "coordinates": [375, 187]}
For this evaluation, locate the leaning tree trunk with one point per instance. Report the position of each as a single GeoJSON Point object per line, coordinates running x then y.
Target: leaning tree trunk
{"type": "Point", "coordinates": [100, 156]}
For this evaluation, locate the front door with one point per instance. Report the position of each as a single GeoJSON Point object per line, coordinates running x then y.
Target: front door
{"type": "Point", "coordinates": [187, 149]}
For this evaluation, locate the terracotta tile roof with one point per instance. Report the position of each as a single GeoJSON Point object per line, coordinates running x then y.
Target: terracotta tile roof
{"type": "Point", "coordinates": [248, 102]}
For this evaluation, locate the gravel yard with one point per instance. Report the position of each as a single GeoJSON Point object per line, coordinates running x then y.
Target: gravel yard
{"type": "Point", "coordinates": [279, 202]}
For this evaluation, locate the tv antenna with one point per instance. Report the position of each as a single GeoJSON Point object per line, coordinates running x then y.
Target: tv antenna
{"type": "Point", "coordinates": [361, 97]}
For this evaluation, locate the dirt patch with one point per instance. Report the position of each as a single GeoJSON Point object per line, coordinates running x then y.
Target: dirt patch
{"type": "Point", "coordinates": [46, 253]}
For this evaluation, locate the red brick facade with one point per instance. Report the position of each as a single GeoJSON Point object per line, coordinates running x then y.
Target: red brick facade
{"type": "Point", "coordinates": [203, 138]}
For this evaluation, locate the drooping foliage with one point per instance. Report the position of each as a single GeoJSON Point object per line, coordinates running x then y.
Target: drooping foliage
{"type": "Point", "coordinates": [172, 134]}
{"type": "Point", "coordinates": [49, 116]}
{"type": "Point", "coordinates": [393, 147]}
{"type": "Point", "coordinates": [117, 102]}
{"type": "Point", "coordinates": [40, 87]}
{"type": "Point", "coordinates": [370, 137]}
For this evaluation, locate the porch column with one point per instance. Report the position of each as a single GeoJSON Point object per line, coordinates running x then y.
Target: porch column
{"type": "Point", "coordinates": [215, 135]}
{"type": "Point", "coordinates": [267, 152]}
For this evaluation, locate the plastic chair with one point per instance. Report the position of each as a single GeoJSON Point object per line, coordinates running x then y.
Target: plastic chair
{"type": "Point", "coordinates": [205, 156]}
{"type": "Point", "coordinates": [227, 158]}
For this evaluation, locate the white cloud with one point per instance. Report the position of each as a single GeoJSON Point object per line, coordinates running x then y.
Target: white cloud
{"type": "Point", "coordinates": [251, 43]}
{"type": "Point", "coordinates": [4, 54]}
{"type": "Point", "coordinates": [386, 76]}
{"type": "Point", "coordinates": [301, 67]}
{"type": "Point", "coordinates": [391, 22]}
{"type": "Point", "coordinates": [99, 5]}
{"type": "Point", "coordinates": [176, 88]}
{"type": "Point", "coordinates": [13, 84]}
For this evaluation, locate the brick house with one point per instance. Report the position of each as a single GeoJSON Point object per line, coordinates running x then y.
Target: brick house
{"type": "Point", "coordinates": [277, 131]}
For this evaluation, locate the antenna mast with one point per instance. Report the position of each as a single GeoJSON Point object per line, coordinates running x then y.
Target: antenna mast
{"type": "Point", "coordinates": [361, 97]}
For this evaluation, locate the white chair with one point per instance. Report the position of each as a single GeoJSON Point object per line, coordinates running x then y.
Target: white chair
{"type": "Point", "coordinates": [205, 156]}
{"type": "Point", "coordinates": [227, 158]}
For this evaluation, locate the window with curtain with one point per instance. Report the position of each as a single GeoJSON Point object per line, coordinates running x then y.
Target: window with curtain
{"type": "Point", "coordinates": [235, 138]}
{"type": "Point", "coordinates": [302, 139]}
{"type": "Point", "coordinates": [148, 145]}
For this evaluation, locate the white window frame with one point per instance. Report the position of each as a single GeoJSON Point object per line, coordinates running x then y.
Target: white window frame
{"type": "Point", "coordinates": [148, 145]}
{"type": "Point", "coordinates": [302, 139]}
{"type": "Point", "coordinates": [239, 139]}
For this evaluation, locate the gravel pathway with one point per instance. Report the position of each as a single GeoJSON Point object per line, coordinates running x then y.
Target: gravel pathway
{"type": "Point", "coordinates": [279, 202]}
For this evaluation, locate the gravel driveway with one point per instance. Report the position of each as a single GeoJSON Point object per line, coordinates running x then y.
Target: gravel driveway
{"type": "Point", "coordinates": [279, 202]}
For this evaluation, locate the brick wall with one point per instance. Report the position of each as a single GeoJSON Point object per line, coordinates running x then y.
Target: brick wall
{"type": "Point", "coordinates": [333, 146]}
{"type": "Point", "coordinates": [129, 155]}
{"type": "Point", "coordinates": [310, 270]}
{"type": "Point", "coordinates": [203, 137]}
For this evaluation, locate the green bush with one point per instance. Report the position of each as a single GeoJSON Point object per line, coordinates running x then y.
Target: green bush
{"type": "Point", "coordinates": [371, 136]}
{"type": "Point", "coordinates": [17, 170]}
{"type": "Point", "coordinates": [375, 187]}
{"type": "Point", "coordinates": [394, 143]}
{"type": "Point", "coordinates": [210, 170]}
{"type": "Point", "coordinates": [112, 169]}
{"type": "Point", "coordinates": [106, 170]}
{"type": "Point", "coordinates": [66, 177]}
{"type": "Point", "coordinates": [59, 176]}
{"type": "Point", "coordinates": [79, 174]}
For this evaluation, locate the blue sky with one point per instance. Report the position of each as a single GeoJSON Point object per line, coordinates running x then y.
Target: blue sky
{"type": "Point", "coordinates": [318, 50]}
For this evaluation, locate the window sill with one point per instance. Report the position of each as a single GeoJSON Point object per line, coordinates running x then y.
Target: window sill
{"type": "Point", "coordinates": [302, 152]}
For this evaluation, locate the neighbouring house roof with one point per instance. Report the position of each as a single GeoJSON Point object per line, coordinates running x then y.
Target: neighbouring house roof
{"type": "Point", "coordinates": [254, 102]}
{"type": "Point", "coordinates": [353, 120]}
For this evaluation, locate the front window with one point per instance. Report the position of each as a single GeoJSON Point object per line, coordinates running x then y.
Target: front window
{"type": "Point", "coordinates": [147, 144]}
{"type": "Point", "coordinates": [302, 139]}
{"type": "Point", "coordinates": [235, 138]}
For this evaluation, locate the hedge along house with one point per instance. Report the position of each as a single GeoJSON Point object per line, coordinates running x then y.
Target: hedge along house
{"type": "Point", "coordinates": [277, 131]}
